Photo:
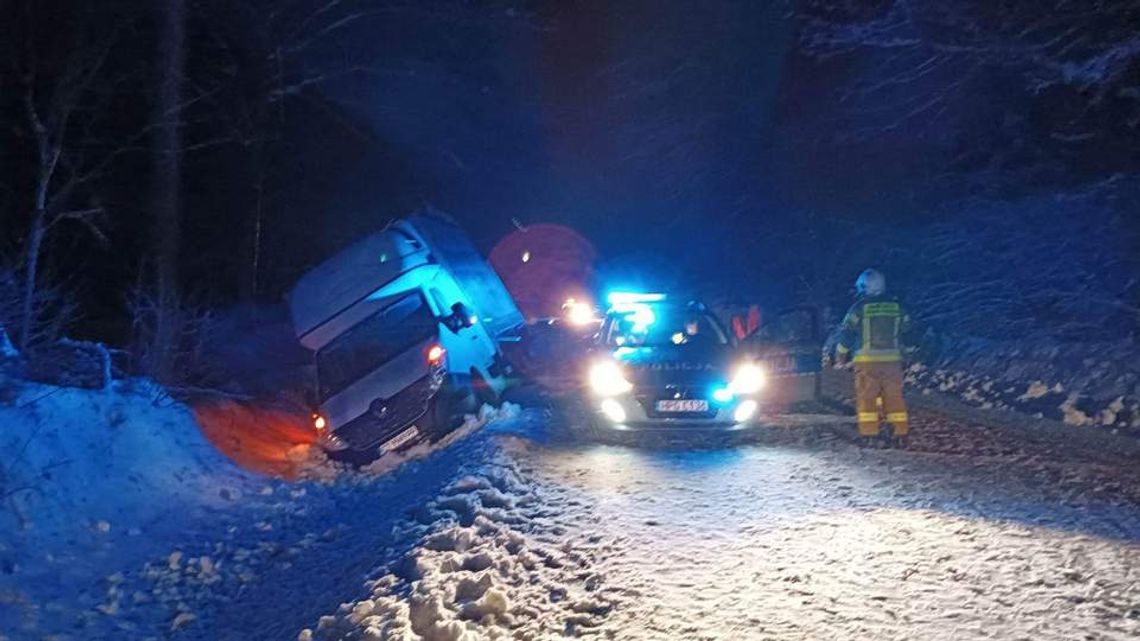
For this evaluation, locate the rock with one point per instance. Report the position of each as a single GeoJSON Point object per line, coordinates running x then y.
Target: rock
{"type": "Point", "coordinates": [1037, 389]}
{"type": "Point", "coordinates": [109, 609]}
{"type": "Point", "coordinates": [1108, 415]}
{"type": "Point", "coordinates": [361, 610]}
{"type": "Point", "coordinates": [181, 620]}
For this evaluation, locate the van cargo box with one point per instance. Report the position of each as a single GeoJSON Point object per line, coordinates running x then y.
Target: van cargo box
{"type": "Point", "coordinates": [363, 268]}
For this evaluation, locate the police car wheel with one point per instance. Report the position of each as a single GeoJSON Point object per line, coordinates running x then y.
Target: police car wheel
{"type": "Point", "coordinates": [596, 430]}
{"type": "Point", "coordinates": [584, 423]}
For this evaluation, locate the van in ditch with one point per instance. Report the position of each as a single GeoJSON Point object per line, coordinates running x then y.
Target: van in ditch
{"type": "Point", "coordinates": [404, 326]}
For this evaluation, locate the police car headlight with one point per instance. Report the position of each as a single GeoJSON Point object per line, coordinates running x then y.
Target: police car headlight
{"type": "Point", "coordinates": [748, 379]}
{"type": "Point", "coordinates": [606, 379]}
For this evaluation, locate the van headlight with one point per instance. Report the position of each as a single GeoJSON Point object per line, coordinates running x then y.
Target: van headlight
{"type": "Point", "coordinates": [606, 379]}
{"type": "Point", "coordinates": [748, 379]}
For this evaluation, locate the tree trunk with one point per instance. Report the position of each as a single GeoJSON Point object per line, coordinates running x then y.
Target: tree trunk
{"type": "Point", "coordinates": [47, 155]}
{"type": "Point", "coordinates": [31, 268]}
{"type": "Point", "coordinates": [253, 284]}
{"type": "Point", "coordinates": [167, 184]}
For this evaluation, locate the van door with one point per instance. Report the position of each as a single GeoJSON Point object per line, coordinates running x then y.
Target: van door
{"type": "Point", "coordinates": [470, 347]}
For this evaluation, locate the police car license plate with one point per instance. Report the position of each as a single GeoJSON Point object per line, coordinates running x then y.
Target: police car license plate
{"type": "Point", "coordinates": [684, 405]}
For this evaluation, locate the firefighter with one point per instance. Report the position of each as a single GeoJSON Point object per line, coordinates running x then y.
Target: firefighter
{"type": "Point", "coordinates": [870, 338]}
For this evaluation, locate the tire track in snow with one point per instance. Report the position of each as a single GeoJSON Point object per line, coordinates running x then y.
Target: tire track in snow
{"type": "Point", "coordinates": [797, 540]}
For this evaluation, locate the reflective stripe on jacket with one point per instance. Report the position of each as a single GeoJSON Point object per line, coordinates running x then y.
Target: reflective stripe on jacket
{"type": "Point", "coordinates": [872, 329]}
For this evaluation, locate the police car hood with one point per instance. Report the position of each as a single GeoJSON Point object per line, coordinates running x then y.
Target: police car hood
{"type": "Point", "coordinates": [676, 365]}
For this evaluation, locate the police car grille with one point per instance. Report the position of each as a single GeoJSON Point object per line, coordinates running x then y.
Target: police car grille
{"type": "Point", "coordinates": [369, 430]}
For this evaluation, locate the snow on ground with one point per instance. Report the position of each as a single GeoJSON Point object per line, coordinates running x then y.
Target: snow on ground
{"type": "Point", "coordinates": [120, 517]}
{"type": "Point", "coordinates": [519, 531]}
{"type": "Point", "coordinates": [1080, 384]}
{"type": "Point", "coordinates": [787, 543]}
{"type": "Point", "coordinates": [88, 479]}
{"type": "Point", "coordinates": [801, 536]}
{"type": "Point", "coordinates": [101, 455]}
{"type": "Point", "coordinates": [492, 561]}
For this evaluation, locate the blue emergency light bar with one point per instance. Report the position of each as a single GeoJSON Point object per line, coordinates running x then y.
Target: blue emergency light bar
{"type": "Point", "coordinates": [629, 298]}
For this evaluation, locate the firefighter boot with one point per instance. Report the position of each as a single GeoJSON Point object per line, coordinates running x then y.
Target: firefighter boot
{"type": "Point", "coordinates": [871, 441]}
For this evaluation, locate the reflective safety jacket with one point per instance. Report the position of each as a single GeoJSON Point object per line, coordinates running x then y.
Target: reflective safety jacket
{"type": "Point", "coordinates": [872, 329]}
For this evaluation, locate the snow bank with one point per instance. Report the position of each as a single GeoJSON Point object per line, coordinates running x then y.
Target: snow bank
{"type": "Point", "coordinates": [1076, 407]}
{"type": "Point", "coordinates": [119, 511]}
{"type": "Point", "coordinates": [1083, 383]}
{"type": "Point", "coordinates": [487, 565]}
{"type": "Point", "coordinates": [90, 479]}
{"type": "Point", "coordinates": [314, 465]}
{"type": "Point", "coordinates": [93, 460]}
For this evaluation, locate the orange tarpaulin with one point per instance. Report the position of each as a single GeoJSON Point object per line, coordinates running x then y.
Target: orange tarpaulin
{"type": "Point", "coordinates": [542, 265]}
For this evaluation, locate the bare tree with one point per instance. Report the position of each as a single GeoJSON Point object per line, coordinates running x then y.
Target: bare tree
{"type": "Point", "coordinates": [61, 95]}
{"type": "Point", "coordinates": [271, 57]}
{"type": "Point", "coordinates": [263, 53]}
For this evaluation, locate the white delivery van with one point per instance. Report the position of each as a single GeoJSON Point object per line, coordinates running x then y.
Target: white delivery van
{"type": "Point", "coordinates": [405, 327]}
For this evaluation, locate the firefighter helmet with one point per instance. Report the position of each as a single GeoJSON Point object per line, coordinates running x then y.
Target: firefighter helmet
{"type": "Point", "coordinates": [871, 283]}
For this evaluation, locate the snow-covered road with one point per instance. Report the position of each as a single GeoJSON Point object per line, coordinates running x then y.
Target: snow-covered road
{"type": "Point", "coordinates": [800, 536]}
{"type": "Point", "coordinates": [984, 529]}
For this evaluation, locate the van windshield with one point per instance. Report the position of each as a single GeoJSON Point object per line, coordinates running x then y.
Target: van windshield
{"type": "Point", "coordinates": [373, 342]}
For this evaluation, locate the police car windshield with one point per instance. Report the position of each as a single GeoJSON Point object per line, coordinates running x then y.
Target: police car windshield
{"type": "Point", "coordinates": [661, 325]}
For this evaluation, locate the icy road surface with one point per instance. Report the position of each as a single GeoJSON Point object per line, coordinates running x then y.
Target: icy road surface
{"type": "Point", "coordinates": [973, 535]}
{"type": "Point", "coordinates": [520, 531]}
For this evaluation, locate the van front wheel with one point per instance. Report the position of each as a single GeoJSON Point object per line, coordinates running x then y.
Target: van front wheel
{"type": "Point", "coordinates": [484, 393]}
{"type": "Point", "coordinates": [449, 408]}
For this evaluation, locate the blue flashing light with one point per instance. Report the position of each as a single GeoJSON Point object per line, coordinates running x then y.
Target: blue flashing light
{"type": "Point", "coordinates": [626, 298]}
{"type": "Point", "coordinates": [641, 317]}
{"type": "Point", "coordinates": [624, 352]}
{"type": "Point", "coordinates": [722, 395]}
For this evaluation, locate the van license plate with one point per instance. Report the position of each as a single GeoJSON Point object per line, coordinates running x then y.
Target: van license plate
{"type": "Point", "coordinates": [685, 405]}
{"type": "Point", "coordinates": [400, 440]}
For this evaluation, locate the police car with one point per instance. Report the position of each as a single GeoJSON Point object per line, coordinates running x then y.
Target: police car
{"type": "Point", "coordinates": [659, 363]}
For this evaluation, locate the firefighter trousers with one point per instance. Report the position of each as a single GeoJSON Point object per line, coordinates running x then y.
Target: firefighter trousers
{"type": "Point", "coordinates": [879, 396]}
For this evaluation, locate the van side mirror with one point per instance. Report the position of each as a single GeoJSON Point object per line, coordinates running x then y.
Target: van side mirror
{"type": "Point", "coordinates": [460, 318]}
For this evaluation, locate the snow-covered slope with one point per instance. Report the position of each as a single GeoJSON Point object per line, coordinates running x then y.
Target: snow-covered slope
{"type": "Point", "coordinates": [90, 479]}
{"type": "Point", "coordinates": [81, 460]}
{"type": "Point", "coordinates": [120, 515]}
